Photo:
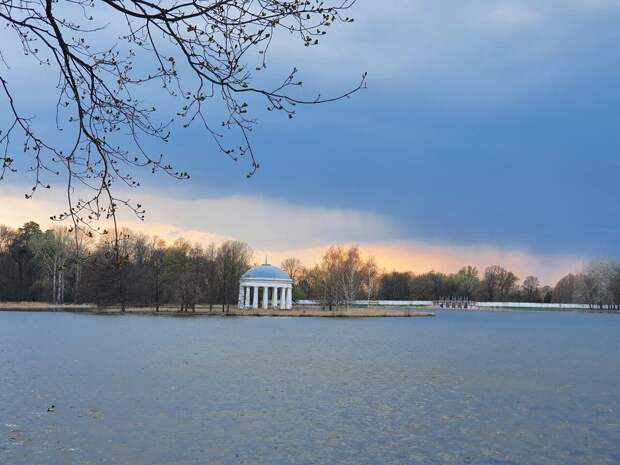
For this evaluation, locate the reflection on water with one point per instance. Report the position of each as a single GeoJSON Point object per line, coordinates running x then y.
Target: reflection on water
{"type": "Point", "coordinates": [479, 388]}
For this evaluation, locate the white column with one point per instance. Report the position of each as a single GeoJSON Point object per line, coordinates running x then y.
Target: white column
{"type": "Point", "coordinates": [265, 297]}
{"type": "Point", "coordinates": [283, 298]}
{"type": "Point", "coordinates": [255, 297]}
{"type": "Point", "coordinates": [274, 298]}
{"type": "Point", "coordinates": [289, 298]}
{"type": "Point", "coordinates": [240, 301]}
{"type": "Point", "coordinates": [246, 291]}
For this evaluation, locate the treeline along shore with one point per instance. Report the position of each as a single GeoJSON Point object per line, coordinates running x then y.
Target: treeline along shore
{"type": "Point", "coordinates": [139, 272]}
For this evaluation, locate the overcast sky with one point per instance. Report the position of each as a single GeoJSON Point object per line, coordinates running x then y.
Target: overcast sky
{"type": "Point", "coordinates": [489, 132]}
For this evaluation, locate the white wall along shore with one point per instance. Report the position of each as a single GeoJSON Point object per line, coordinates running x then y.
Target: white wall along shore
{"type": "Point", "coordinates": [428, 303]}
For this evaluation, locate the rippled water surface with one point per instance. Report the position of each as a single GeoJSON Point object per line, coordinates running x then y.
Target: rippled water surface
{"type": "Point", "coordinates": [480, 388]}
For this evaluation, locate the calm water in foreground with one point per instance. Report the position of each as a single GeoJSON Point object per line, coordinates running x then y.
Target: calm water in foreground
{"type": "Point", "coordinates": [479, 388]}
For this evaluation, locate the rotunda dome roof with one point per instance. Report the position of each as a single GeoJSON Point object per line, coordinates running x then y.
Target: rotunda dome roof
{"type": "Point", "coordinates": [266, 271]}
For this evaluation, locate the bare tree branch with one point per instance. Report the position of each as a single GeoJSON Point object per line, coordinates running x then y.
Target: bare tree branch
{"type": "Point", "coordinates": [194, 51]}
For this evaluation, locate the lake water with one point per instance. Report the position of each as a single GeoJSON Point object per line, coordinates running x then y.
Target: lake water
{"type": "Point", "coordinates": [524, 388]}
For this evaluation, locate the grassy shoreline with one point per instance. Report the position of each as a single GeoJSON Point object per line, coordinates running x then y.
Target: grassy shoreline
{"type": "Point", "coordinates": [167, 310]}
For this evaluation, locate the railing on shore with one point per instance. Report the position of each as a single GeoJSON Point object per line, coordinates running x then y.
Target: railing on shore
{"type": "Point", "coordinates": [377, 303]}
{"type": "Point", "coordinates": [607, 308]}
{"type": "Point", "coordinates": [462, 303]}
{"type": "Point", "coordinates": [468, 304]}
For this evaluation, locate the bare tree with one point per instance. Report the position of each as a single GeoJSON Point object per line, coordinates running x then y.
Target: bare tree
{"type": "Point", "coordinates": [531, 289]}
{"type": "Point", "coordinates": [599, 284]}
{"type": "Point", "coordinates": [82, 246]}
{"type": "Point", "coordinates": [192, 281]}
{"type": "Point", "coordinates": [498, 283]}
{"type": "Point", "coordinates": [343, 274]}
{"type": "Point", "coordinates": [466, 281]}
{"type": "Point", "coordinates": [309, 284]}
{"type": "Point", "coordinates": [179, 273]}
{"type": "Point", "coordinates": [588, 288]}
{"type": "Point", "coordinates": [329, 276]}
{"type": "Point", "coordinates": [428, 286]}
{"type": "Point", "coordinates": [613, 285]}
{"type": "Point", "coordinates": [232, 260]}
{"type": "Point", "coordinates": [565, 291]}
{"type": "Point", "coordinates": [52, 249]}
{"type": "Point", "coordinates": [155, 264]}
{"type": "Point", "coordinates": [293, 268]}
{"type": "Point", "coordinates": [395, 286]}
{"type": "Point", "coordinates": [210, 277]}
{"type": "Point", "coordinates": [352, 274]}
{"type": "Point", "coordinates": [371, 285]}
{"type": "Point", "coordinates": [109, 88]}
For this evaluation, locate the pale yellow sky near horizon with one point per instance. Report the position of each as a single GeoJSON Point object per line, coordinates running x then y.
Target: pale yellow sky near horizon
{"type": "Point", "coordinates": [308, 232]}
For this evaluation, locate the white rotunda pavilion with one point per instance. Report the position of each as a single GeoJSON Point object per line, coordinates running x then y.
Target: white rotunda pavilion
{"type": "Point", "coordinates": [266, 286]}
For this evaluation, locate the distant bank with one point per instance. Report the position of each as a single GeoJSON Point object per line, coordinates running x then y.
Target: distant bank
{"type": "Point", "coordinates": [297, 311]}
{"type": "Point", "coordinates": [357, 309]}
